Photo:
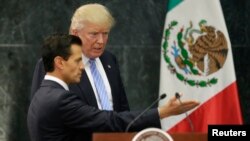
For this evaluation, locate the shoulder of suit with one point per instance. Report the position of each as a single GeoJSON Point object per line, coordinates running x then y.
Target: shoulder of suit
{"type": "Point", "coordinates": [68, 96]}
{"type": "Point", "coordinates": [107, 54]}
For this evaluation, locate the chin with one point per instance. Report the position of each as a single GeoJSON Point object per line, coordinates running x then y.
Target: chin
{"type": "Point", "coordinates": [96, 55]}
{"type": "Point", "coordinates": [77, 81]}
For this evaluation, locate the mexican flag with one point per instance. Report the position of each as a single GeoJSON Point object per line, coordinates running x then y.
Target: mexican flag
{"type": "Point", "coordinates": [197, 61]}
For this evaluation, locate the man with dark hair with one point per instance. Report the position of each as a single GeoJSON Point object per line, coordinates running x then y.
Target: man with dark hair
{"type": "Point", "coordinates": [61, 46]}
{"type": "Point", "coordinates": [57, 114]}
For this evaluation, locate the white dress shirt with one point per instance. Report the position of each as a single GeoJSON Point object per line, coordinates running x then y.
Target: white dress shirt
{"type": "Point", "coordinates": [104, 78]}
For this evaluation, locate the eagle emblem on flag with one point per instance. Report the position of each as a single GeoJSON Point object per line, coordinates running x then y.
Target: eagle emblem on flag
{"type": "Point", "coordinates": [198, 52]}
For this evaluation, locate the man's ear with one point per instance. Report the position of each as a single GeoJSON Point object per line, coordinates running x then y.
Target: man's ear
{"type": "Point", "coordinates": [58, 62]}
{"type": "Point", "coordinates": [74, 32]}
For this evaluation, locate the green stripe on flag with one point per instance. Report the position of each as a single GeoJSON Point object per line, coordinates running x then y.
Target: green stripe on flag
{"type": "Point", "coordinates": [173, 3]}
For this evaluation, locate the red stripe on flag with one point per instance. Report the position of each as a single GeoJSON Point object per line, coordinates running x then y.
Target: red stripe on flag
{"type": "Point", "coordinates": [223, 108]}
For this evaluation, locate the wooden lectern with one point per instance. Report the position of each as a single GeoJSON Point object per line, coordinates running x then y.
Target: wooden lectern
{"type": "Point", "coordinates": [129, 136]}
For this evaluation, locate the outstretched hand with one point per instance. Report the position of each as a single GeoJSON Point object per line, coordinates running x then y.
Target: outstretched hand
{"type": "Point", "coordinates": [175, 107]}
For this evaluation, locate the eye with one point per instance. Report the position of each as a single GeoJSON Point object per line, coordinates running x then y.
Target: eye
{"type": "Point", "coordinates": [93, 33]}
{"type": "Point", "coordinates": [78, 60]}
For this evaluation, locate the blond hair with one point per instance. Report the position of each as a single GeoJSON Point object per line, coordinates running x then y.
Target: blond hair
{"type": "Point", "coordinates": [93, 13]}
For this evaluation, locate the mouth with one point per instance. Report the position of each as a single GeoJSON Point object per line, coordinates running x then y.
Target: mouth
{"type": "Point", "coordinates": [97, 49]}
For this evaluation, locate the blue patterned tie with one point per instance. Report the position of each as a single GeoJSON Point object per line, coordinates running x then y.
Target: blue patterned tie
{"type": "Point", "coordinates": [100, 87]}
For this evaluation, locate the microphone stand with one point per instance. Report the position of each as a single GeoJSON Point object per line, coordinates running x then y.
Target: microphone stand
{"type": "Point", "coordinates": [177, 95]}
{"type": "Point", "coordinates": [133, 121]}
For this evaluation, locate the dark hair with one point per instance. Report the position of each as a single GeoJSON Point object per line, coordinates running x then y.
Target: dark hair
{"type": "Point", "coordinates": [57, 45]}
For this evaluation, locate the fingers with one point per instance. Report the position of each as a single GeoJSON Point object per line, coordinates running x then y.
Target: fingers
{"type": "Point", "coordinates": [175, 107]}
{"type": "Point", "coordinates": [190, 102]}
{"type": "Point", "coordinates": [188, 105]}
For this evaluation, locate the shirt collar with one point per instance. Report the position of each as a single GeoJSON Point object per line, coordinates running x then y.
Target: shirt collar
{"type": "Point", "coordinates": [85, 60]}
{"type": "Point", "coordinates": [53, 78]}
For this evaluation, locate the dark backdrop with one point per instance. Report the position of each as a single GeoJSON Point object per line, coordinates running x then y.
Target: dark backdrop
{"type": "Point", "coordinates": [135, 40]}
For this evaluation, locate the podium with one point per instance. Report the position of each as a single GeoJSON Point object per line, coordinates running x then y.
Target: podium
{"type": "Point", "coordinates": [129, 136]}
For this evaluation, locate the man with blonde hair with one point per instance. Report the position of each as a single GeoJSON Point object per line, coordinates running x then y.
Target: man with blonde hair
{"type": "Point", "coordinates": [92, 23]}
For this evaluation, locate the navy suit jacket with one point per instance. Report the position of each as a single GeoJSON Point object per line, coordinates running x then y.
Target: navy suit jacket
{"type": "Point", "coordinates": [84, 89]}
{"type": "Point", "coordinates": [59, 115]}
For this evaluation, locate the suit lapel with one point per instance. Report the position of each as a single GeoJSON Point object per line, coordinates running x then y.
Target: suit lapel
{"type": "Point", "coordinates": [108, 66]}
{"type": "Point", "coordinates": [87, 90]}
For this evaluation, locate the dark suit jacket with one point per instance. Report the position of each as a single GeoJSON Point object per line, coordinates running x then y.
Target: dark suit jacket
{"type": "Point", "coordinates": [59, 115]}
{"type": "Point", "coordinates": [84, 89]}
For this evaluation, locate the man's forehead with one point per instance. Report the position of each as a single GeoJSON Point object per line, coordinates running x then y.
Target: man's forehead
{"type": "Point", "coordinates": [95, 27]}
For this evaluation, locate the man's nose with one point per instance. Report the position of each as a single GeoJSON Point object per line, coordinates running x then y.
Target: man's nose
{"type": "Point", "coordinates": [100, 38]}
{"type": "Point", "coordinates": [81, 66]}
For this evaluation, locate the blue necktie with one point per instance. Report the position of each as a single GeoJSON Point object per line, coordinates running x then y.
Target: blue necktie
{"type": "Point", "coordinates": [100, 87]}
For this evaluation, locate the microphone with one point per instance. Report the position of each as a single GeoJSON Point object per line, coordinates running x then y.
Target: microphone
{"type": "Point", "coordinates": [178, 96]}
{"type": "Point", "coordinates": [133, 121]}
